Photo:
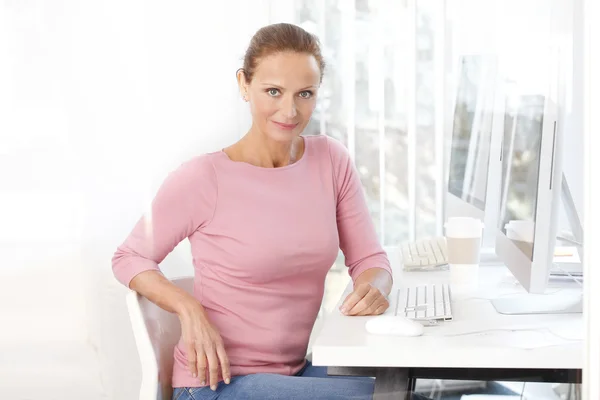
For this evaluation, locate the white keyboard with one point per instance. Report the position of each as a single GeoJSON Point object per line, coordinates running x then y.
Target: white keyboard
{"type": "Point", "coordinates": [425, 303]}
{"type": "Point", "coordinates": [424, 254]}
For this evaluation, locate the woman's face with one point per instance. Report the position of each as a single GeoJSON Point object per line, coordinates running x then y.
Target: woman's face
{"type": "Point", "coordinates": [282, 94]}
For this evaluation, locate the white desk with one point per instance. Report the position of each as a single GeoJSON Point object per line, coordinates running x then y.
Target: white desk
{"type": "Point", "coordinates": [477, 345]}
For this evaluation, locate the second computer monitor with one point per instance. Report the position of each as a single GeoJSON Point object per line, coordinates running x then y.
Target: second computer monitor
{"type": "Point", "coordinates": [531, 188]}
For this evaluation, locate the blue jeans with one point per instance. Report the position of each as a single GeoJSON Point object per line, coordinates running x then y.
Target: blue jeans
{"type": "Point", "coordinates": [311, 383]}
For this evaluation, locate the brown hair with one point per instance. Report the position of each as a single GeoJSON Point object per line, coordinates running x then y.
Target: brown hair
{"type": "Point", "coordinates": [279, 38]}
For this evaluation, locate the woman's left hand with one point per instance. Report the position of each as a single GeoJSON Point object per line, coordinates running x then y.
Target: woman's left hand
{"type": "Point", "coordinates": [365, 299]}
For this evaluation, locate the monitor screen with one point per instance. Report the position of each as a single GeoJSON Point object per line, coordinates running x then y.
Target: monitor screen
{"type": "Point", "coordinates": [471, 132]}
{"type": "Point", "coordinates": [520, 171]}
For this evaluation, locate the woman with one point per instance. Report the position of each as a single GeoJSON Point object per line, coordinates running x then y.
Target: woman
{"type": "Point", "coordinates": [265, 218]}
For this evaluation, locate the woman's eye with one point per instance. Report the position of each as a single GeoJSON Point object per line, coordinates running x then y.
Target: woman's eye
{"type": "Point", "coordinates": [306, 94]}
{"type": "Point", "coordinates": [273, 92]}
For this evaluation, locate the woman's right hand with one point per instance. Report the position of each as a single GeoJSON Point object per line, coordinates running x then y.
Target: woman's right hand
{"type": "Point", "coordinates": [204, 345]}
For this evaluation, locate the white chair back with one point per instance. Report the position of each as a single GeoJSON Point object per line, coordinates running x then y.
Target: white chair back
{"type": "Point", "coordinates": [156, 333]}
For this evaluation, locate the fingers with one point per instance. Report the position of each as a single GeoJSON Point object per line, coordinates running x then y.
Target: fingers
{"type": "Point", "coordinates": [191, 358]}
{"type": "Point", "coordinates": [367, 301]}
{"type": "Point", "coordinates": [208, 358]}
{"type": "Point", "coordinates": [378, 307]}
{"type": "Point", "coordinates": [201, 364]}
{"type": "Point", "coordinates": [213, 365]}
{"type": "Point", "coordinates": [381, 309]}
{"type": "Point", "coordinates": [224, 362]}
{"type": "Point", "coordinates": [353, 298]}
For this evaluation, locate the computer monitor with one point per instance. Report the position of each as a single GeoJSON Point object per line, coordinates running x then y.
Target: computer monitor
{"type": "Point", "coordinates": [532, 182]}
{"type": "Point", "coordinates": [474, 167]}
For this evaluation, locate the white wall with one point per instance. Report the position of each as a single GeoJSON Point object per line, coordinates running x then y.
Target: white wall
{"type": "Point", "coordinates": [98, 102]}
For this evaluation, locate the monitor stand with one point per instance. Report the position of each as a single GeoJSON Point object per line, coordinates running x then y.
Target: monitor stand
{"type": "Point", "coordinates": [572, 217]}
{"type": "Point", "coordinates": [529, 304]}
{"type": "Point", "coordinates": [562, 302]}
{"type": "Point", "coordinates": [573, 238]}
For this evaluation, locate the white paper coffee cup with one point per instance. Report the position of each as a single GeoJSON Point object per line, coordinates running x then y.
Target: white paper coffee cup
{"type": "Point", "coordinates": [463, 241]}
{"type": "Point", "coordinates": [463, 238]}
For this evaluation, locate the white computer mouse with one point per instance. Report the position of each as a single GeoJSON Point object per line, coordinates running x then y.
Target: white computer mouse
{"type": "Point", "coordinates": [394, 325]}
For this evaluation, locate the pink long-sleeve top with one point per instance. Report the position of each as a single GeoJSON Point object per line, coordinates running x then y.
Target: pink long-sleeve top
{"type": "Point", "coordinates": [262, 240]}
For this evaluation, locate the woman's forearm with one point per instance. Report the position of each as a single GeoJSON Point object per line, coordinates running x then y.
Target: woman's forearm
{"type": "Point", "coordinates": [162, 292]}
